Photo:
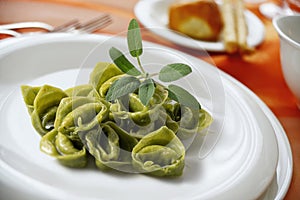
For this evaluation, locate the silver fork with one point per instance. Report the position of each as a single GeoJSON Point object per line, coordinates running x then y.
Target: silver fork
{"type": "Point", "coordinates": [73, 26]}
{"type": "Point", "coordinates": [70, 25]}
{"type": "Point", "coordinates": [93, 24]}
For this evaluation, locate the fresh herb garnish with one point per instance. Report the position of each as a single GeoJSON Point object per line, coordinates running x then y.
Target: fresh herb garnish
{"type": "Point", "coordinates": [146, 91]}
{"type": "Point", "coordinates": [140, 79]}
{"type": "Point", "coordinates": [122, 86]}
{"type": "Point", "coordinates": [173, 72]}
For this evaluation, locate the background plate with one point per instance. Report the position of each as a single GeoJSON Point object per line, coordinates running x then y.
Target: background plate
{"type": "Point", "coordinates": [153, 14]}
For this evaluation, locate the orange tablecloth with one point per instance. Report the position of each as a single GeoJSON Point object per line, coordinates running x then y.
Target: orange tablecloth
{"type": "Point", "coordinates": [260, 71]}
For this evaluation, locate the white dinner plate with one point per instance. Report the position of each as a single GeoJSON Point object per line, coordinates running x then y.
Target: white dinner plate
{"type": "Point", "coordinates": [153, 14]}
{"type": "Point", "coordinates": [235, 159]}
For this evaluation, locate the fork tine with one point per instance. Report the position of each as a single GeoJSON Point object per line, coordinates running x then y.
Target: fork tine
{"type": "Point", "coordinates": [74, 23]}
{"type": "Point", "coordinates": [95, 24]}
{"type": "Point", "coordinates": [73, 26]}
{"type": "Point", "coordinates": [95, 20]}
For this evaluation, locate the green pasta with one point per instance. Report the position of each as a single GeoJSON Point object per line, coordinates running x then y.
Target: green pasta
{"type": "Point", "coordinates": [123, 135]}
{"type": "Point", "coordinates": [102, 72]}
{"type": "Point", "coordinates": [159, 153]}
{"type": "Point", "coordinates": [78, 113]}
{"type": "Point", "coordinates": [59, 146]}
{"type": "Point", "coordinates": [122, 118]}
{"type": "Point", "coordinates": [110, 145]}
{"type": "Point", "coordinates": [42, 104]}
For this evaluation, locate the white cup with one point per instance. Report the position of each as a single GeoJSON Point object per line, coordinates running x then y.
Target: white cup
{"type": "Point", "coordinates": [288, 29]}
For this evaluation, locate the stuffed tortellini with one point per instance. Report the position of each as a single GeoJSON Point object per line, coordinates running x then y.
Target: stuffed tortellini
{"type": "Point", "coordinates": [122, 134]}
{"type": "Point", "coordinates": [86, 90]}
{"type": "Point", "coordinates": [139, 120]}
{"type": "Point", "coordinates": [78, 113]}
{"type": "Point", "coordinates": [190, 121]}
{"type": "Point", "coordinates": [110, 145]}
{"type": "Point", "coordinates": [159, 153]}
{"type": "Point", "coordinates": [61, 147]}
{"type": "Point", "coordinates": [102, 72]}
{"type": "Point", "coordinates": [42, 103]}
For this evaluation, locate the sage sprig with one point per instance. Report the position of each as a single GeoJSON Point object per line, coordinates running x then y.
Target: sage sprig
{"type": "Point", "coordinates": [121, 61]}
{"type": "Point", "coordinates": [139, 79]}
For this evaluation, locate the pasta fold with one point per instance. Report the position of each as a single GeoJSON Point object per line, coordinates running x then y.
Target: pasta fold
{"type": "Point", "coordinates": [42, 104]}
{"type": "Point", "coordinates": [79, 114]}
{"type": "Point", "coordinates": [110, 145]}
{"type": "Point", "coordinates": [159, 153]}
{"type": "Point", "coordinates": [59, 146]}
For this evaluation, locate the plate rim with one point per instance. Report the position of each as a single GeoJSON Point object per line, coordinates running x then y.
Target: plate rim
{"type": "Point", "coordinates": [279, 133]}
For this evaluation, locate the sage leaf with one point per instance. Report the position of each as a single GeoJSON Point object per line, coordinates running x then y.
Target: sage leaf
{"type": "Point", "coordinates": [121, 87]}
{"type": "Point", "coordinates": [122, 62]}
{"type": "Point", "coordinates": [134, 39]}
{"type": "Point", "coordinates": [173, 72]}
{"type": "Point", "coordinates": [183, 97]}
{"type": "Point", "coordinates": [146, 91]}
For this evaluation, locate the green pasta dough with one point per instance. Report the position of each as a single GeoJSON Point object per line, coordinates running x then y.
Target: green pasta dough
{"type": "Point", "coordinates": [102, 72]}
{"type": "Point", "coordinates": [138, 119]}
{"type": "Point", "coordinates": [29, 93]}
{"type": "Point", "coordinates": [42, 104]}
{"type": "Point", "coordinates": [110, 145]}
{"type": "Point", "coordinates": [59, 146]}
{"type": "Point", "coordinates": [124, 134]}
{"type": "Point", "coordinates": [159, 153]}
{"type": "Point", "coordinates": [86, 90]}
{"type": "Point", "coordinates": [78, 113]}
{"type": "Point", "coordinates": [189, 121]}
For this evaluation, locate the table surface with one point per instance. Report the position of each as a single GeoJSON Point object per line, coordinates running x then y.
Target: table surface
{"type": "Point", "coordinates": [259, 71]}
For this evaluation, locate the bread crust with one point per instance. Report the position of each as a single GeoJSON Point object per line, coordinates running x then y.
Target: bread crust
{"type": "Point", "coordinates": [195, 19]}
